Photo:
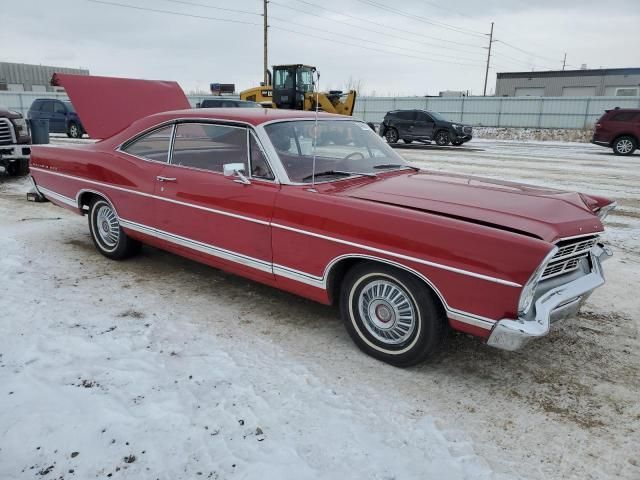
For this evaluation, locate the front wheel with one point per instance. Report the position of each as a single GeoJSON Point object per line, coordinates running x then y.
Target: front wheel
{"type": "Point", "coordinates": [107, 234]}
{"type": "Point", "coordinates": [624, 145]}
{"type": "Point", "coordinates": [391, 315]}
{"type": "Point", "coordinates": [442, 138]}
{"type": "Point", "coordinates": [391, 135]}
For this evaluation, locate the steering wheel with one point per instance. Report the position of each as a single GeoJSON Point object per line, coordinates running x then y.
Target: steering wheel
{"type": "Point", "coordinates": [345, 163]}
{"type": "Point", "coordinates": [352, 156]}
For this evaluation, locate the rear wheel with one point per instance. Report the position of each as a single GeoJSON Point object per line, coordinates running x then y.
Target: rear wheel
{"type": "Point", "coordinates": [442, 138]}
{"type": "Point", "coordinates": [391, 315]}
{"type": "Point", "coordinates": [624, 145]}
{"type": "Point", "coordinates": [391, 135]}
{"type": "Point", "coordinates": [107, 234]}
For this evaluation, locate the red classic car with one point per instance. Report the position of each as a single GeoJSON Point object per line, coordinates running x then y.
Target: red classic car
{"type": "Point", "coordinates": [322, 207]}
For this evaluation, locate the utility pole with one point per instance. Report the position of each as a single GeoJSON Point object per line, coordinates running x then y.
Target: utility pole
{"type": "Point", "coordinates": [486, 73]}
{"type": "Point", "coordinates": [265, 70]}
{"type": "Point", "coordinates": [564, 62]}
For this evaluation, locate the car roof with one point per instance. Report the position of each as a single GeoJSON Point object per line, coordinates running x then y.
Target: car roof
{"type": "Point", "coordinates": [253, 116]}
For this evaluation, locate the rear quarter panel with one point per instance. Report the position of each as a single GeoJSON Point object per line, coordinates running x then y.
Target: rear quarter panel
{"type": "Point", "coordinates": [120, 178]}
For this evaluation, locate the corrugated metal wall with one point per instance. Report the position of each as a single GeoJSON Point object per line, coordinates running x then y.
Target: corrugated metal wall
{"type": "Point", "coordinates": [547, 112]}
{"type": "Point", "coordinates": [533, 112]}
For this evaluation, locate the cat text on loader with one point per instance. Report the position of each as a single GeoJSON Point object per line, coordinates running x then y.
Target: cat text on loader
{"type": "Point", "coordinates": [292, 88]}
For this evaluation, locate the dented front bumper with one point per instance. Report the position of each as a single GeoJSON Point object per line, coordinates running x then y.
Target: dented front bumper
{"type": "Point", "coordinates": [559, 303]}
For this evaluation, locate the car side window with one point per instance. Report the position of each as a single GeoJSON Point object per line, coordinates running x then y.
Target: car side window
{"type": "Point", "coordinates": [209, 146]}
{"type": "Point", "coordinates": [423, 117]}
{"type": "Point", "coordinates": [259, 166]}
{"type": "Point", "coordinates": [623, 117]}
{"type": "Point", "coordinates": [59, 108]}
{"type": "Point", "coordinates": [152, 146]}
{"type": "Point", "coordinates": [409, 115]}
{"type": "Point", "coordinates": [47, 107]}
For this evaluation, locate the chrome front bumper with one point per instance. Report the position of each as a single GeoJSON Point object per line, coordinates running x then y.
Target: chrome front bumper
{"type": "Point", "coordinates": [558, 303]}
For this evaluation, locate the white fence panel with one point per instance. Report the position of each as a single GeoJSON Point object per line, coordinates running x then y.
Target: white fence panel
{"type": "Point", "coordinates": [532, 112]}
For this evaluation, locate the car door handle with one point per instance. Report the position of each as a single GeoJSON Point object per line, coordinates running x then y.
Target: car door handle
{"type": "Point", "coordinates": [165, 179]}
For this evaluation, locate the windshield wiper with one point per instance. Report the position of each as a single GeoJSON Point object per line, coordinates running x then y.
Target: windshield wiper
{"type": "Point", "coordinates": [395, 165]}
{"type": "Point", "coordinates": [342, 173]}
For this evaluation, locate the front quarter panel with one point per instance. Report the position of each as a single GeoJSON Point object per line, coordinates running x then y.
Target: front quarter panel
{"type": "Point", "coordinates": [475, 269]}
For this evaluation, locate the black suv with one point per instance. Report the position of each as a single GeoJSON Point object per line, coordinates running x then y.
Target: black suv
{"type": "Point", "coordinates": [410, 125]}
{"type": "Point", "coordinates": [222, 102]}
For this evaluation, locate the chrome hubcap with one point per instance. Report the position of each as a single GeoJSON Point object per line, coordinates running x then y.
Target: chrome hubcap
{"type": "Point", "coordinates": [625, 146]}
{"type": "Point", "coordinates": [107, 226]}
{"type": "Point", "coordinates": [387, 312]}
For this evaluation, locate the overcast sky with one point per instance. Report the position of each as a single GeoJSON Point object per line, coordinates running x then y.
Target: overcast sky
{"type": "Point", "coordinates": [408, 47]}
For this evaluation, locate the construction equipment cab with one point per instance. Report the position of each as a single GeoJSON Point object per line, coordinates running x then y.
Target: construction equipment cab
{"type": "Point", "coordinates": [293, 89]}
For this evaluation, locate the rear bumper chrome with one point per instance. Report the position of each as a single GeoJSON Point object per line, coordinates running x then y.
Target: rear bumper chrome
{"type": "Point", "coordinates": [557, 304]}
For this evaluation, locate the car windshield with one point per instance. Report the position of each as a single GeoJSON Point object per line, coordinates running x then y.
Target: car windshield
{"type": "Point", "coordinates": [342, 148]}
{"type": "Point", "coordinates": [69, 106]}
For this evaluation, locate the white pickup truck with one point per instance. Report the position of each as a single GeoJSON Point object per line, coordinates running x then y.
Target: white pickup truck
{"type": "Point", "coordinates": [15, 143]}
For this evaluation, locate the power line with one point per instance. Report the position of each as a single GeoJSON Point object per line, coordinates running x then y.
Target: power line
{"type": "Point", "coordinates": [202, 5]}
{"type": "Point", "coordinates": [527, 52]}
{"type": "Point", "coordinates": [364, 39]}
{"type": "Point", "coordinates": [134, 7]}
{"type": "Point", "coordinates": [306, 34]}
{"type": "Point", "coordinates": [373, 41]}
{"type": "Point", "coordinates": [386, 27]}
{"type": "Point", "coordinates": [420, 18]}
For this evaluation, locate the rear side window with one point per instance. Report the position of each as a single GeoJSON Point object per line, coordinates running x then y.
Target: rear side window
{"type": "Point", "coordinates": [208, 146]}
{"type": "Point", "coordinates": [47, 107]}
{"type": "Point", "coordinates": [152, 146]}
{"type": "Point", "coordinates": [623, 116]}
{"type": "Point", "coordinates": [408, 115]}
{"type": "Point", "coordinates": [59, 108]}
{"type": "Point", "coordinates": [423, 117]}
{"type": "Point", "coordinates": [36, 106]}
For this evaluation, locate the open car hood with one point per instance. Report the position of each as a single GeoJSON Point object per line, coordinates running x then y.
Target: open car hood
{"type": "Point", "coordinates": [535, 211]}
{"type": "Point", "coordinates": [107, 105]}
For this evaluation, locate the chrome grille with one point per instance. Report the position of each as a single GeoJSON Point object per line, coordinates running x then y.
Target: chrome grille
{"type": "Point", "coordinates": [467, 130]}
{"type": "Point", "coordinates": [6, 132]}
{"type": "Point", "coordinates": [568, 256]}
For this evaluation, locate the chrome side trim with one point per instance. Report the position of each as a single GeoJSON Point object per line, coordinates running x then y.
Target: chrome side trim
{"type": "Point", "coordinates": [303, 232]}
{"type": "Point", "coordinates": [222, 253]}
{"type": "Point", "coordinates": [398, 255]}
{"type": "Point", "coordinates": [49, 194]}
{"type": "Point", "coordinates": [164, 199]}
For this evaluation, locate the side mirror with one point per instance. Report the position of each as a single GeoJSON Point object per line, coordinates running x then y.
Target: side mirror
{"type": "Point", "coordinates": [235, 170]}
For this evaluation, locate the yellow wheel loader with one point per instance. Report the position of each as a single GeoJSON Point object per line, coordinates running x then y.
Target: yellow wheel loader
{"type": "Point", "coordinates": [292, 89]}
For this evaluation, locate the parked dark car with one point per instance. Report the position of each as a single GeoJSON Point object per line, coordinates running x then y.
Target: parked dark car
{"type": "Point", "coordinates": [618, 129]}
{"type": "Point", "coordinates": [61, 115]}
{"type": "Point", "coordinates": [227, 103]}
{"type": "Point", "coordinates": [423, 126]}
{"type": "Point", "coordinates": [15, 143]}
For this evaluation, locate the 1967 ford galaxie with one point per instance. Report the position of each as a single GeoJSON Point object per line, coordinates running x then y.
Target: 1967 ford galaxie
{"type": "Point", "coordinates": [323, 208]}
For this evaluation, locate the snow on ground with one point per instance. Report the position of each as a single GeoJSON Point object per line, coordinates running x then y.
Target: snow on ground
{"type": "Point", "coordinates": [159, 367]}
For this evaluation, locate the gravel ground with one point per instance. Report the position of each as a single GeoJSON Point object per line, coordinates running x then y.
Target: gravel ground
{"type": "Point", "coordinates": [93, 351]}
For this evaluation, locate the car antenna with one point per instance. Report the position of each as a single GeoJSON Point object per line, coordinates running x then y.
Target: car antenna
{"type": "Point", "coordinates": [316, 84]}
